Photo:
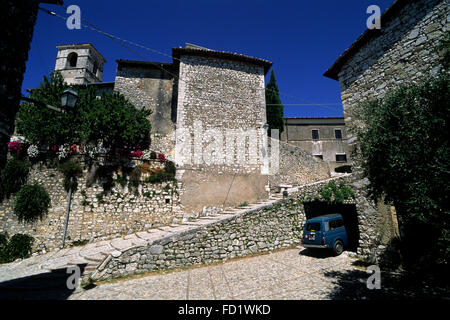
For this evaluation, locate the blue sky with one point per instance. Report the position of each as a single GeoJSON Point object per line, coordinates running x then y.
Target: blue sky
{"type": "Point", "coordinates": [301, 38]}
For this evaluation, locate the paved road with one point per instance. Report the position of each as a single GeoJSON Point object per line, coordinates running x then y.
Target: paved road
{"type": "Point", "coordinates": [287, 274]}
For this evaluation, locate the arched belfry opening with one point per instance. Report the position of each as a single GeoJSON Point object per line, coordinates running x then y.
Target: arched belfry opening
{"type": "Point", "coordinates": [72, 60]}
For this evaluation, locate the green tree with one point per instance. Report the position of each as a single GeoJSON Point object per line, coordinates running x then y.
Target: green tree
{"type": "Point", "coordinates": [274, 107]}
{"type": "Point", "coordinates": [404, 148]}
{"type": "Point", "coordinates": [110, 117]}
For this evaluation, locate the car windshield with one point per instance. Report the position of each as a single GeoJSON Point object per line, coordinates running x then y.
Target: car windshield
{"type": "Point", "coordinates": [313, 226]}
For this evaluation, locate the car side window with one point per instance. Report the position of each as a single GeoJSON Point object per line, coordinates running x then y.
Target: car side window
{"type": "Point", "coordinates": [335, 224]}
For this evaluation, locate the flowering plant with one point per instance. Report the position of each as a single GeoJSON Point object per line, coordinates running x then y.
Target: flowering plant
{"type": "Point", "coordinates": [14, 147]}
{"type": "Point", "coordinates": [63, 151]}
{"type": "Point", "coordinates": [73, 149]}
{"type": "Point", "coordinates": [138, 153]}
{"type": "Point", "coordinates": [33, 151]}
{"type": "Point", "coordinates": [162, 157]}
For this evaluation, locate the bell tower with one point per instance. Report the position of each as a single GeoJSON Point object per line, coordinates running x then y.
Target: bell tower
{"type": "Point", "coordinates": [80, 63]}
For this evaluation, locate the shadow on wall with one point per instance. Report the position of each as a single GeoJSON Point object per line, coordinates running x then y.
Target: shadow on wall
{"type": "Point", "coordinates": [44, 286]}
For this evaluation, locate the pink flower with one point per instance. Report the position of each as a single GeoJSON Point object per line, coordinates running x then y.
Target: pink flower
{"type": "Point", "coordinates": [162, 157]}
{"type": "Point", "coordinates": [137, 153]}
{"type": "Point", "coordinates": [73, 149]}
{"type": "Point", "coordinates": [14, 147]}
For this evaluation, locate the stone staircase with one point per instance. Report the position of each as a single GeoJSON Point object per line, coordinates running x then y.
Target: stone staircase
{"type": "Point", "coordinates": [95, 256]}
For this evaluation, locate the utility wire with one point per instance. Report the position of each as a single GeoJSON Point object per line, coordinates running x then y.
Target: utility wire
{"type": "Point", "coordinates": [118, 40]}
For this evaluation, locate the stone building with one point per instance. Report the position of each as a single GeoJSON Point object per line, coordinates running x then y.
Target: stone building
{"type": "Point", "coordinates": [401, 52]}
{"type": "Point", "coordinates": [80, 64]}
{"type": "Point", "coordinates": [324, 137]}
{"type": "Point", "coordinates": [204, 98]}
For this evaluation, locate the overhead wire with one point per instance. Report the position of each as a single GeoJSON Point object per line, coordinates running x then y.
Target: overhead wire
{"type": "Point", "coordinates": [121, 41]}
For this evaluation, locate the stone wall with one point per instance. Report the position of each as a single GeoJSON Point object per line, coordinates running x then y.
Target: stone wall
{"type": "Point", "coordinates": [151, 87]}
{"type": "Point", "coordinates": [95, 215]}
{"type": "Point", "coordinates": [220, 113]}
{"type": "Point", "coordinates": [402, 53]}
{"type": "Point", "coordinates": [298, 167]}
{"type": "Point", "coordinates": [265, 227]}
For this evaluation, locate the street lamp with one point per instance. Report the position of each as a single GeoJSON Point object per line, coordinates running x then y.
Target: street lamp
{"type": "Point", "coordinates": [69, 98]}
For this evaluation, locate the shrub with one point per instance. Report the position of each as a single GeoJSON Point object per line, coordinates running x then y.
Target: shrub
{"type": "Point", "coordinates": [343, 169]}
{"type": "Point", "coordinates": [160, 176]}
{"type": "Point", "coordinates": [333, 193]}
{"type": "Point", "coordinates": [13, 177]}
{"type": "Point", "coordinates": [18, 247]}
{"type": "Point", "coordinates": [170, 168]}
{"type": "Point", "coordinates": [71, 170]}
{"type": "Point", "coordinates": [32, 202]}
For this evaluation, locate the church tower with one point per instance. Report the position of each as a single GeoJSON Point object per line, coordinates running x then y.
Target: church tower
{"type": "Point", "coordinates": [80, 63]}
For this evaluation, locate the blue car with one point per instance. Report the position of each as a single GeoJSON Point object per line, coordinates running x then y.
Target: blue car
{"type": "Point", "coordinates": [327, 232]}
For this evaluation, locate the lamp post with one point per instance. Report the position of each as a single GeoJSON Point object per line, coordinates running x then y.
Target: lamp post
{"type": "Point", "coordinates": [69, 99]}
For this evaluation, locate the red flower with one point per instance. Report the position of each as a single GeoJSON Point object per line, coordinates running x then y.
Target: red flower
{"type": "Point", "coordinates": [137, 153]}
{"type": "Point", "coordinates": [162, 157]}
{"type": "Point", "coordinates": [14, 147]}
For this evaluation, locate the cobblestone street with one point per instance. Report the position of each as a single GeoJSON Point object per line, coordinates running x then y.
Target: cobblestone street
{"type": "Point", "coordinates": [286, 274]}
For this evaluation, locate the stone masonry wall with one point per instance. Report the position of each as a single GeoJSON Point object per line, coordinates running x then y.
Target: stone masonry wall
{"type": "Point", "coordinates": [94, 215]}
{"type": "Point", "coordinates": [273, 225]}
{"type": "Point", "coordinates": [402, 53]}
{"type": "Point", "coordinates": [298, 167]}
{"type": "Point", "coordinates": [220, 113]}
{"type": "Point", "coordinates": [151, 88]}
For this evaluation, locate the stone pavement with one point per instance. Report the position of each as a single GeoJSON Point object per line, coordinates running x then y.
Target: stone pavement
{"type": "Point", "coordinates": [286, 274]}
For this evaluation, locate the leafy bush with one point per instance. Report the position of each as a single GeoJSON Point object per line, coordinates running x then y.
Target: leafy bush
{"type": "Point", "coordinates": [160, 176]}
{"type": "Point", "coordinates": [71, 171]}
{"type": "Point", "coordinates": [13, 177]}
{"type": "Point", "coordinates": [18, 247]}
{"type": "Point", "coordinates": [343, 169]}
{"type": "Point", "coordinates": [31, 203]}
{"type": "Point", "coordinates": [170, 168]}
{"type": "Point", "coordinates": [110, 118]}
{"type": "Point", "coordinates": [405, 150]}
{"type": "Point", "coordinates": [334, 194]}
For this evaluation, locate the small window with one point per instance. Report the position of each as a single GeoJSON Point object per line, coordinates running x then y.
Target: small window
{"type": "Point", "coordinates": [72, 60]}
{"type": "Point", "coordinates": [313, 226]}
{"type": "Point", "coordinates": [341, 158]}
{"type": "Point", "coordinates": [335, 224]}
{"type": "Point", "coordinates": [320, 156]}
{"type": "Point", "coordinates": [315, 134]}
{"type": "Point", "coordinates": [95, 68]}
{"type": "Point", "coordinates": [338, 134]}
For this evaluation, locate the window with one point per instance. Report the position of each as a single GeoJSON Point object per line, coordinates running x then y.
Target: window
{"type": "Point", "coordinates": [338, 134]}
{"type": "Point", "coordinates": [313, 226]}
{"type": "Point", "coordinates": [95, 69]}
{"type": "Point", "coordinates": [320, 156]}
{"type": "Point", "coordinates": [72, 60]}
{"type": "Point", "coordinates": [335, 224]}
{"type": "Point", "coordinates": [341, 158]}
{"type": "Point", "coordinates": [315, 134]}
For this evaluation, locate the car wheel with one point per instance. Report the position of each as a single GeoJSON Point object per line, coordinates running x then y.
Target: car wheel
{"type": "Point", "coordinates": [338, 248]}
